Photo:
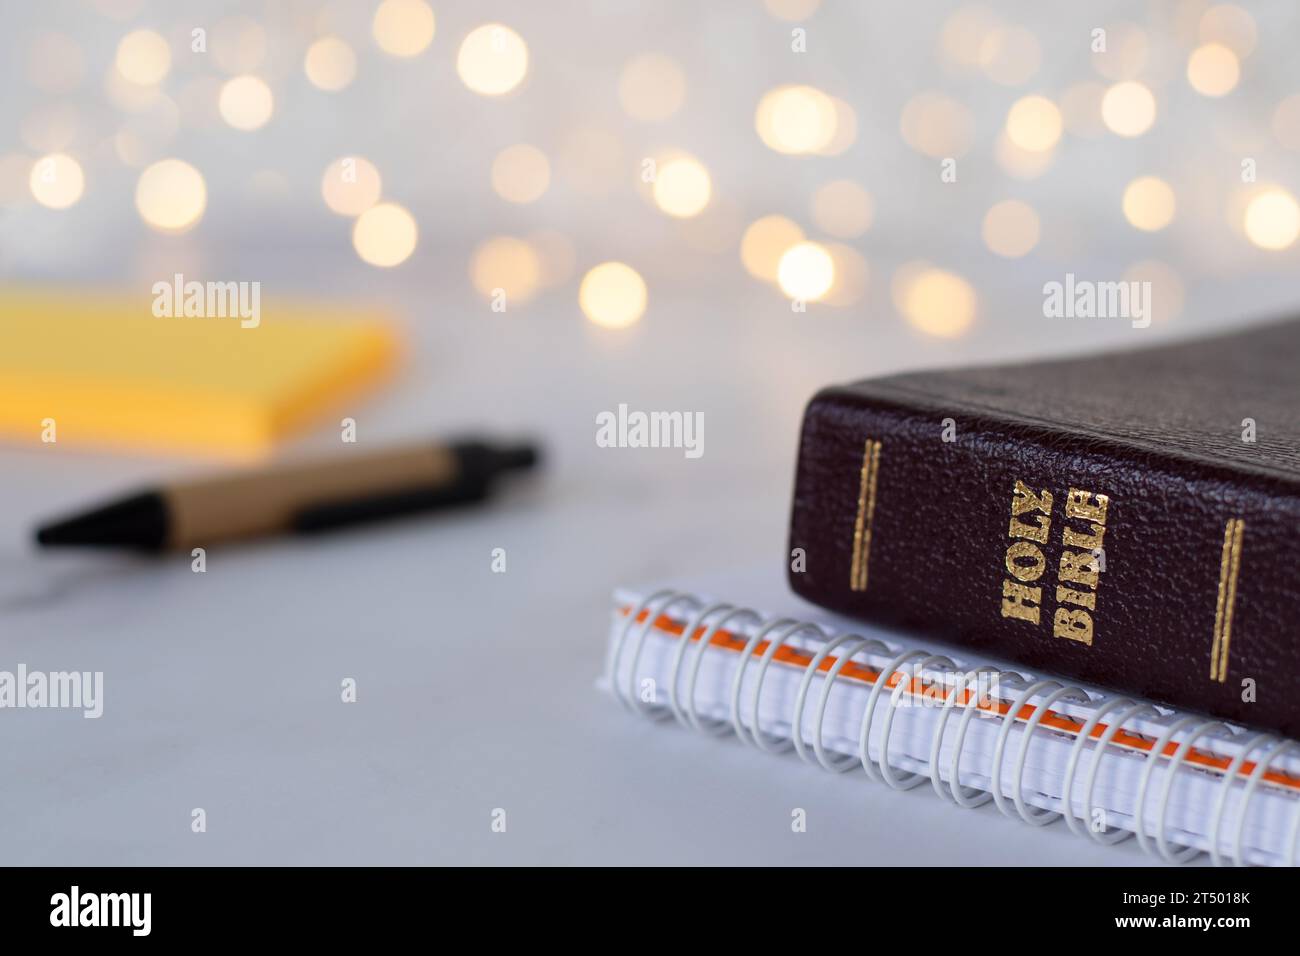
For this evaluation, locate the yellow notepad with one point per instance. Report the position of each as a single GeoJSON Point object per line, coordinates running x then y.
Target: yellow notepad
{"type": "Point", "coordinates": [135, 371]}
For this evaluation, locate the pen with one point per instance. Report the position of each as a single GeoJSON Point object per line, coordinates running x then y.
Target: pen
{"type": "Point", "coordinates": [302, 497]}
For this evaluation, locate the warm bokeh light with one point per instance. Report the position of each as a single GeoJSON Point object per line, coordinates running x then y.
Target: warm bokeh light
{"type": "Point", "coordinates": [1167, 293]}
{"type": "Point", "coordinates": [796, 119]}
{"type": "Point", "coordinates": [1230, 25]}
{"type": "Point", "coordinates": [682, 187]}
{"type": "Point", "coordinates": [904, 277]}
{"type": "Point", "coordinates": [493, 60]}
{"type": "Point", "coordinates": [651, 87]}
{"type": "Point", "coordinates": [143, 57]}
{"type": "Point", "coordinates": [765, 242]}
{"type": "Point", "coordinates": [1286, 122]}
{"type": "Point", "coordinates": [1149, 203]}
{"type": "Point", "coordinates": [934, 301]}
{"type": "Point", "coordinates": [171, 196]}
{"type": "Point", "coordinates": [330, 64]}
{"type": "Point", "coordinates": [1213, 70]}
{"type": "Point", "coordinates": [1273, 219]}
{"type": "Point", "coordinates": [521, 173]}
{"type": "Point", "coordinates": [1021, 163]}
{"type": "Point", "coordinates": [1125, 54]}
{"type": "Point", "coordinates": [806, 271]}
{"type": "Point", "coordinates": [990, 62]}
{"type": "Point", "coordinates": [506, 266]}
{"type": "Point", "coordinates": [1009, 55]}
{"type": "Point", "coordinates": [385, 235]}
{"type": "Point", "coordinates": [936, 125]}
{"type": "Point", "coordinates": [403, 28]}
{"type": "Point", "coordinates": [852, 274]}
{"type": "Point", "coordinates": [1034, 124]}
{"type": "Point", "coordinates": [350, 185]}
{"type": "Point", "coordinates": [1128, 108]}
{"type": "Point", "coordinates": [612, 295]}
{"type": "Point", "coordinates": [846, 129]}
{"type": "Point", "coordinates": [127, 96]}
{"type": "Point", "coordinates": [843, 209]}
{"type": "Point", "coordinates": [246, 102]}
{"type": "Point", "coordinates": [57, 181]}
{"type": "Point", "coordinates": [1010, 228]}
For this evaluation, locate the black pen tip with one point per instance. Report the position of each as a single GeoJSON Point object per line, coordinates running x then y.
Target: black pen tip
{"type": "Point", "coordinates": [138, 522]}
{"type": "Point", "coordinates": [53, 534]}
{"type": "Point", "coordinates": [519, 457]}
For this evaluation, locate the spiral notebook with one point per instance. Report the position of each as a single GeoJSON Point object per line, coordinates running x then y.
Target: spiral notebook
{"type": "Point", "coordinates": [857, 699]}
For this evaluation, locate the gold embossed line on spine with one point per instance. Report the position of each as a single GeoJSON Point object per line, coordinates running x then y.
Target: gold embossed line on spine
{"type": "Point", "coordinates": [1229, 568]}
{"type": "Point", "coordinates": [866, 509]}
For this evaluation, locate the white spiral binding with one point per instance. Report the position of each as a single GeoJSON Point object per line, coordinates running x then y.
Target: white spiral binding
{"type": "Point", "coordinates": [1004, 734]}
{"type": "Point", "coordinates": [688, 716]}
{"type": "Point", "coordinates": [773, 645]}
{"type": "Point", "coordinates": [778, 631]}
{"type": "Point", "coordinates": [954, 769]}
{"type": "Point", "coordinates": [844, 762]}
{"type": "Point", "coordinates": [644, 607]}
{"type": "Point", "coordinates": [796, 722]}
{"type": "Point", "coordinates": [1261, 766]}
{"type": "Point", "coordinates": [688, 630]}
{"type": "Point", "coordinates": [1137, 710]}
{"type": "Point", "coordinates": [1178, 854]}
{"type": "Point", "coordinates": [1225, 788]}
{"type": "Point", "coordinates": [1148, 770]}
{"type": "Point", "coordinates": [882, 761]}
{"type": "Point", "coordinates": [1041, 817]}
{"type": "Point", "coordinates": [869, 714]}
{"type": "Point", "coordinates": [1067, 787]}
{"type": "Point", "coordinates": [975, 794]}
{"type": "Point", "coordinates": [742, 666]}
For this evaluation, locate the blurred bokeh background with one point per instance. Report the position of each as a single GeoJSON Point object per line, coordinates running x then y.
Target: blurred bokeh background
{"type": "Point", "coordinates": [641, 190]}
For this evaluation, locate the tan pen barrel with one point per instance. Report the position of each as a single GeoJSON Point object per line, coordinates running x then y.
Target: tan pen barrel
{"type": "Point", "coordinates": [228, 507]}
{"type": "Point", "coordinates": [305, 498]}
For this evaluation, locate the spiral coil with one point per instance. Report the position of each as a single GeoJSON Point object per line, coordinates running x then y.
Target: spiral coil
{"type": "Point", "coordinates": [704, 622]}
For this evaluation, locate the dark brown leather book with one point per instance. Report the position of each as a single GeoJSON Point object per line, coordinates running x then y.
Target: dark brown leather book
{"type": "Point", "coordinates": [1129, 520]}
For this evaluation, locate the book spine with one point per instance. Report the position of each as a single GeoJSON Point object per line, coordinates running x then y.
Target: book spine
{"type": "Point", "coordinates": [1144, 570]}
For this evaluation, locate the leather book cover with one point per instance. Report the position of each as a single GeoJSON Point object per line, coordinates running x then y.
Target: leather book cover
{"type": "Point", "coordinates": [1130, 520]}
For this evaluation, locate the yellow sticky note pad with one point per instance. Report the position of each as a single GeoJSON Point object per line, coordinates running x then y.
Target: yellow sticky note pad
{"type": "Point", "coordinates": [107, 372]}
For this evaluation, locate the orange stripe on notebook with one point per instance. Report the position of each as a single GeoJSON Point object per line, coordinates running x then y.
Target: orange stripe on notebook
{"type": "Point", "coordinates": [1053, 719]}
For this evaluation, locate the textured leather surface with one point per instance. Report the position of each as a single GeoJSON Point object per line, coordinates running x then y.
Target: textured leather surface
{"type": "Point", "coordinates": [1159, 432]}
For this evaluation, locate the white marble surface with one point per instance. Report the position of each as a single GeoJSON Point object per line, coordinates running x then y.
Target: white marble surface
{"type": "Point", "coordinates": [475, 689]}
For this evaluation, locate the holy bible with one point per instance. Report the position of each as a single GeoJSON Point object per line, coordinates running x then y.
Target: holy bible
{"type": "Point", "coordinates": [1130, 520]}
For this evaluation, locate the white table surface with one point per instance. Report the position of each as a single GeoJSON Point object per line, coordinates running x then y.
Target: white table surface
{"type": "Point", "coordinates": [475, 689]}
